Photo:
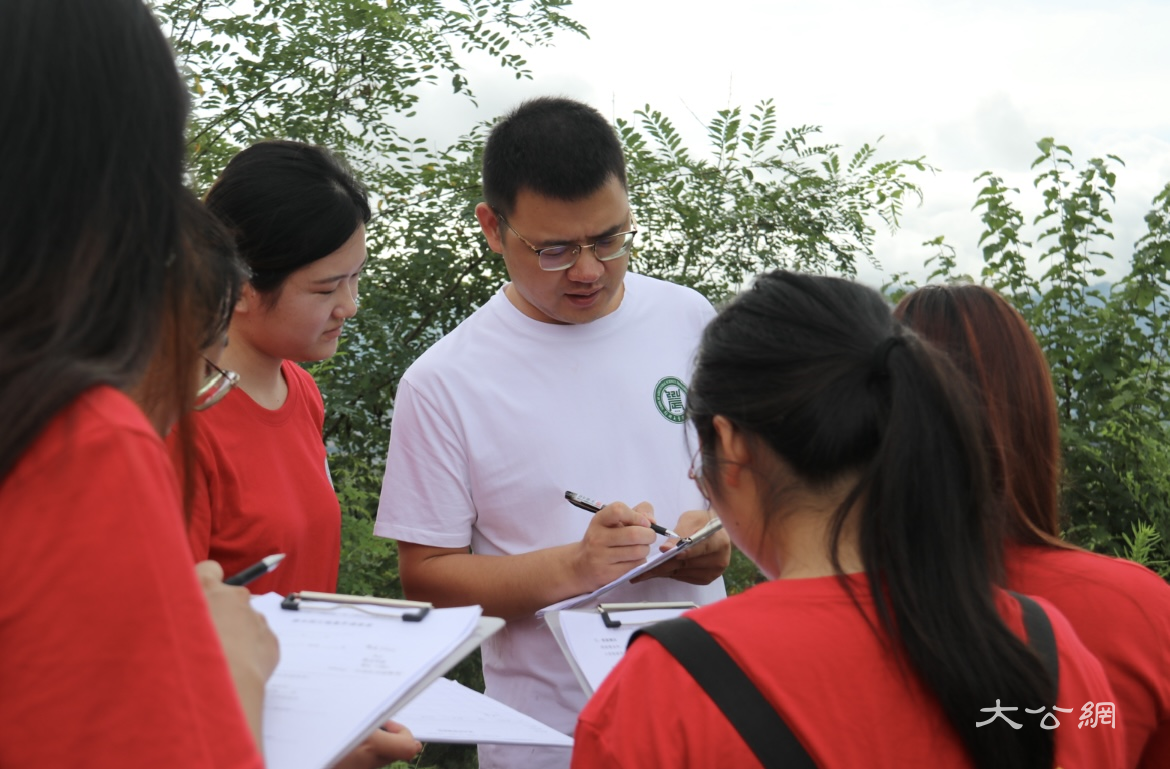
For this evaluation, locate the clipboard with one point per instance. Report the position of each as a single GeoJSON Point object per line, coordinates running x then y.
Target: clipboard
{"type": "Point", "coordinates": [350, 662]}
{"type": "Point", "coordinates": [657, 559]}
{"type": "Point", "coordinates": [594, 640]}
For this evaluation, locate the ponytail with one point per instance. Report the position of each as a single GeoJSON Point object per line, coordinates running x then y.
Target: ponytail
{"type": "Point", "coordinates": [816, 369]}
{"type": "Point", "coordinates": [930, 538]}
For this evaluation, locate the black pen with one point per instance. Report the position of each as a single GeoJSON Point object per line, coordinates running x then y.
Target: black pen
{"type": "Point", "coordinates": [256, 570]}
{"type": "Point", "coordinates": [592, 505]}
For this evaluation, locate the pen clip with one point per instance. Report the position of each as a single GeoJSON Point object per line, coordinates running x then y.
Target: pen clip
{"type": "Point", "coordinates": [303, 600]}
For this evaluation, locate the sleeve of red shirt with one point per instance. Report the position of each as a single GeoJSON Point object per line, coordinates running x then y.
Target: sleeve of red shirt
{"type": "Point", "coordinates": [108, 656]}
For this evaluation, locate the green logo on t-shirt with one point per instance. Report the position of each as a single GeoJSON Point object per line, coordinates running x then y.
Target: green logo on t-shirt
{"type": "Point", "coordinates": [670, 396]}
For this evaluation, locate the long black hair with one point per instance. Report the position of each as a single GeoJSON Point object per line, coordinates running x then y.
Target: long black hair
{"type": "Point", "coordinates": [287, 204]}
{"type": "Point", "coordinates": [817, 370]}
{"type": "Point", "coordinates": [91, 147]}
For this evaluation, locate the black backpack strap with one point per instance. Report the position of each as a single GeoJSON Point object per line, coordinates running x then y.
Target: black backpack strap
{"type": "Point", "coordinates": [1040, 636]}
{"type": "Point", "coordinates": [761, 727]}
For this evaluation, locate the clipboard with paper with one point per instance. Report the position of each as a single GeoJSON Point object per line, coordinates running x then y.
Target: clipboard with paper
{"type": "Point", "coordinates": [348, 663]}
{"type": "Point", "coordinates": [594, 640]}
{"type": "Point", "coordinates": [652, 562]}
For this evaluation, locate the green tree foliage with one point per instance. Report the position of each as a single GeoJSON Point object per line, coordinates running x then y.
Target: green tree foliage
{"type": "Point", "coordinates": [1105, 343]}
{"type": "Point", "coordinates": [758, 200]}
{"type": "Point", "coordinates": [336, 72]}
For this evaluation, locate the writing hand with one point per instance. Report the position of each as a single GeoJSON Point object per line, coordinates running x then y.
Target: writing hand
{"type": "Point", "coordinates": [617, 540]}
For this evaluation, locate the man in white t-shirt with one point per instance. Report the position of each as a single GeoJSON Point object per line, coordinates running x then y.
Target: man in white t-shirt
{"type": "Point", "coordinates": [571, 378]}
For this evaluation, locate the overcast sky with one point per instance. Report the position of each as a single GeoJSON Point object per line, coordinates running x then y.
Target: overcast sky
{"type": "Point", "coordinates": [970, 85]}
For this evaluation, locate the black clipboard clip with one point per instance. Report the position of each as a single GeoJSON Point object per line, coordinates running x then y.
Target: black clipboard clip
{"type": "Point", "coordinates": [708, 529]}
{"type": "Point", "coordinates": [605, 609]}
{"type": "Point", "coordinates": [304, 600]}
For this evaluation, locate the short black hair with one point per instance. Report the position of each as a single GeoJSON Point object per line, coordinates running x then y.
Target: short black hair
{"type": "Point", "coordinates": [287, 204]}
{"type": "Point", "coordinates": [555, 147]}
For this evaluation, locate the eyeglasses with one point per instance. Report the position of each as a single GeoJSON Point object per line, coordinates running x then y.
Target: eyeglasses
{"type": "Point", "coordinates": [215, 385]}
{"type": "Point", "coordinates": [695, 473]}
{"type": "Point", "coordinates": [554, 258]}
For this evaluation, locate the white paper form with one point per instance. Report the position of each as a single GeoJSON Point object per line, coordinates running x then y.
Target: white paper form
{"type": "Point", "coordinates": [593, 649]}
{"type": "Point", "coordinates": [449, 712]}
{"type": "Point", "coordinates": [342, 671]}
{"type": "Point", "coordinates": [686, 543]}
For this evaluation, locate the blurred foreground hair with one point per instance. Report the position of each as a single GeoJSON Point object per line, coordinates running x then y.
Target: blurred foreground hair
{"type": "Point", "coordinates": [92, 142]}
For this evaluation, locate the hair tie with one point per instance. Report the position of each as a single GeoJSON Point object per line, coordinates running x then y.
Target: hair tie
{"type": "Point", "coordinates": [879, 361]}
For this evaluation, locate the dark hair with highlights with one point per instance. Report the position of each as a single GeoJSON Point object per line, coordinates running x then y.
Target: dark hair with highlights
{"type": "Point", "coordinates": [90, 189]}
{"type": "Point", "coordinates": [554, 147]}
{"type": "Point", "coordinates": [991, 343]}
{"type": "Point", "coordinates": [287, 204]}
{"type": "Point", "coordinates": [202, 288]}
{"type": "Point", "coordinates": [791, 363]}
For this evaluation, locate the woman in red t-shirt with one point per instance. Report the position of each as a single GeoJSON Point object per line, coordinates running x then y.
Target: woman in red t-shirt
{"type": "Point", "coordinates": [203, 286]}
{"type": "Point", "coordinates": [108, 653]}
{"type": "Point", "coordinates": [262, 483]}
{"type": "Point", "coordinates": [1120, 609]}
{"type": "Point", "coordinates": [844, 457]}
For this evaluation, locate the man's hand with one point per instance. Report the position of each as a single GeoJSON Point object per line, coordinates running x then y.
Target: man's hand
{"type": "Point", "coordinates": [698, 565]}
{"type": "Point", "coordinates": [618, 539]}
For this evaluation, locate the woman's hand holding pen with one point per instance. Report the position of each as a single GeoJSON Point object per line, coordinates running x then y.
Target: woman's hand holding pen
{"type": "Point", "coordinates": [699, 565]}
{"type": "Point", "coordinates": [618, 539]}
{"type": "Point", "coordinates": [248, 643]}
{"type": "Point", "coordinates": [244, 633]}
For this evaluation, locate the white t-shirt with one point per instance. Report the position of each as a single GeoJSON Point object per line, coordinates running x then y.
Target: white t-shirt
{"type": "Point", "coordinates": [498, 419]}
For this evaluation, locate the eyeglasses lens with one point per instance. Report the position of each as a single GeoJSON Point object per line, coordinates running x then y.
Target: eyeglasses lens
{"type": "Point", "coordinates": [562, 257]}
{"type": "Point", "coordinates": [214, 388]}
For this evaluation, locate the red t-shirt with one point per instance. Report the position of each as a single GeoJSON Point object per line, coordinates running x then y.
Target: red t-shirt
{"type": "Point", "coordinates": [1121, 611]}
{"type": "Point", "coordinates": [108, 657]}
{"type": "Point", "coordinates": [811, 652]}
{"type": "Point", "coordinates": [262, 487]}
